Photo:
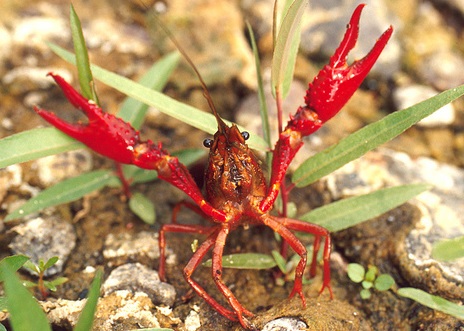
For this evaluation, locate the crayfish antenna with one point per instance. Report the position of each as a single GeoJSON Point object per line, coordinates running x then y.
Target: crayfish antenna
{"type": "Point", "coordinates": [222, 126]}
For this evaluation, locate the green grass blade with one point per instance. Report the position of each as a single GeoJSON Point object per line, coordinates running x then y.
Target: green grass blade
{"type": "Point", "coordinates": [133, 111]}
{"type": "Point", "coordinates": [85, 321]}
{"type": "Point", "coordinates": [14, 262]}
{"type": "Point", "coordinates": [246, 261]}
{"type": "Point", "coordinates": [433, 301]}
{"type": "Point", "coordinates": [185, 113]}
{"type": "Point", "coordinates": [286, 47]}
{"type": "Point", "coordinates": [68, 190]}
{"type": "Point", "coordinates": [261, 97]}
{"type": "Point", "coordinates": [348, 212]}
{"type": "Point", "coordinates": [448, 249]}
{"type": "Point", "coordinates": [34, 144]}
{"type": "Point", "coordinates": [82, 57]}
{"type": "Point", "coordinates": [369, 137]}
{"type": "Point", "coordinates": [141, 206]}
{"type": "Point", "coordinates": [25, 312]}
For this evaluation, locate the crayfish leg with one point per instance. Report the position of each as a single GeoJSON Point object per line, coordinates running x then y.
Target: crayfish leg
{"type": "Point", "coordinates": [218, 251]}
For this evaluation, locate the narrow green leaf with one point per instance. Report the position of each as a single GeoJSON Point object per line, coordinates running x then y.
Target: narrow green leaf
{"type": "Point", "coordinates": [65, 191]}
{"type": "Point", "coordinates": [261, 96]}
{"type": "Point", "coordinates": [246, 261]}
{"type": "Point", "coordinates": [280, 261]}
{"type": "Point", "coordinates": [286, 47]}
{"type": "Point", "coordinates": [133, 111]}
{"type": "Point", "coordinates": [85, 321]}
{"type": "Point", "coordinates": [348, 212]}
{"type": "Point", "coordinates": [185, 113]}
{"type": "Point", "coordinates": [58, 281]}
{"type": "Point", "coordinates": [3, 305]}
{"type": "Point", "coordinates": [448, 249]}
{"type": "Point", "coordinates": [356, 272]}
{"type": "Point", "coordinates": [82, 57]}
{"type": "Point", "coordinates": [143, 208]}
{"type": "Point", "coordinates": [25, 312]}
{"type": "Point", "coordinates": [384, 282]}
{"type": "Point", "coordinates": [14, 262]}
{"type": "Point", "coordinates": [50, 286]}
{"type": "Point", "coordinates": [29, 284]}
{"type": "Point", "coordinates": [432, 301]}
{"type": "Point", "coordinates": [51, 261]}
{"type": "Point", "coordinates": [2, 327]}
{"type": "Point", "coordinates": [370, 137]}
{"type": "Point", "coordinates": [34, 144]}
{"type": "Point", "coordinates": [31, 266]}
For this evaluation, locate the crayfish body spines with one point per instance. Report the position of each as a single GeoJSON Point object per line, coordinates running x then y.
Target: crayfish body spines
{"type": "Point", "coordinates": [233, 173]}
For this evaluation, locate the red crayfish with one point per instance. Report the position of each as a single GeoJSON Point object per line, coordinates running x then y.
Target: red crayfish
{"type": "Point", "coordinates": [236, 192]}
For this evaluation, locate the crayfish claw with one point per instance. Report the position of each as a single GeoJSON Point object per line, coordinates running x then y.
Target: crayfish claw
{"type": "Point", "coordinates": [90, 108]}
{"type": "Point", "coordinates": [337, 82]}
{"type": "Point", "coordinates": [77, 131]}
{"type": "Point", "coordinates": [104, 133]}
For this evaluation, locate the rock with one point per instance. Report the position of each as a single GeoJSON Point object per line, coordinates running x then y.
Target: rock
{"type": "Point", "coordinates": [285, 324]}
{"type": "Point", "coordinates": [125, 310]}
{"type": "Point", "coordinates": [441, 213]}
{"type": "Point", "coordinates": [63, 313]}
{"type": "Point", "coordinates": [141, 247]}
{"type": "Point", "coordinates": [135, 277]}
{"type": "Point", "coordinates": [10, 176]}
{"type": "Point", "coordinates": [219, 50]}
{"type": "Point", "coordinates": [121, 310]}
{"type": "Point", "coordinates": [319, 314]}
{"type": "Point", "coordinates": [410, 95]}
{"type": "Point", "coordinates": [443, 69]}
{"type": "Point", "coordinates": [55, 168]}
{"type": "Point", "coordinates": [38, 239]}
{"type": "Point", "coordinates": [192, 321]}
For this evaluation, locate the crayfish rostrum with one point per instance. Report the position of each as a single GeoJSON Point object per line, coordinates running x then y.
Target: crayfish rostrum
{"type": "Point", "coordinates": [236, 192]}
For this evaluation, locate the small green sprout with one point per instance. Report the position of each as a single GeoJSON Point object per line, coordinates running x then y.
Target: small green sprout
{"type": "Point", "coordinates": [44, 286]}
{"type": "Point", "coordinates": [369, 279]}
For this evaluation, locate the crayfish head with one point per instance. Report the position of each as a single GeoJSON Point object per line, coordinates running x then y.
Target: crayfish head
{"type": "Point", "coordinates": [233, 173]}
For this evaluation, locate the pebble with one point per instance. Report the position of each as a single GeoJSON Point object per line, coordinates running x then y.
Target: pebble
{"type": "Point", "coordinates": [125, 310]}
{"type": "Point", "coordinates": [55, 168]}
{"type": "Point", "coordinates": [285, 324]}
{"type": "Point", "coordinates": [192, 321]}
{"type": "Point", "coordinates": [10, 176]}
{"type": "Point", "coordinates": [212, 32]}
{"type": "Point", "coordinates": [136, 277]}
{"type": "Point", "coordinates": [140, 247]}
{"type": "Point", "coordinates": [44, 238]}
{"type": "Point", "coordinates": [407, 96]}
{"type": "Point", "coordinates": [443, 69]}
{"type": "Point", "coordinates": [121, 310]}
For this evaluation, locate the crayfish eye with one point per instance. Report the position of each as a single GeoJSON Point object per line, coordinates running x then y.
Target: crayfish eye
{"type": "Point", "coordinates": [245, 135]}
{"type": "Point", "coordinates": [208, 142]}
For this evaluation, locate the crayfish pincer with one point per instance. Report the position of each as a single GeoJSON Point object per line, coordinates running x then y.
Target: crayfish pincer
{"type": "Point", "coordinates": [236, 191]}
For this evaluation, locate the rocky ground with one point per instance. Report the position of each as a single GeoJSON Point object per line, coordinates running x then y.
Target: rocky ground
{"type": "Point", "coordinates": [424, 57]}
